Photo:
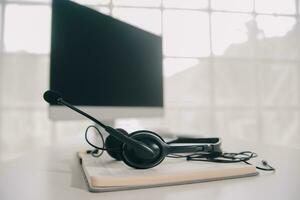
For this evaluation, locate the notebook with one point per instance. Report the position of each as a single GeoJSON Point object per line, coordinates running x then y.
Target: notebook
{"type": "Point", "coordinates": [105, 174]}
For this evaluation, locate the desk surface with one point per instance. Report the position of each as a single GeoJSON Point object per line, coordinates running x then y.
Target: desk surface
{"type": "Point", "coordinates": [54, 173]}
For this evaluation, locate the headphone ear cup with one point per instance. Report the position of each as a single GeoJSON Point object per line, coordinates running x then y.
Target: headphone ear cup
{"type": "Point", "coordinates": [114, 146]}
{"type": "Point", "coordinates": [132, 157]}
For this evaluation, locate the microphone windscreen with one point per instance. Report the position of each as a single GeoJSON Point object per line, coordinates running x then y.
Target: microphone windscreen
{"type": "Point", "coordinates": [52, 96]}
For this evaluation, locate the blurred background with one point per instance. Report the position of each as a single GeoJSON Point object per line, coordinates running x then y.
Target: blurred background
{"type": "Point", "coordinates": [231, 69]}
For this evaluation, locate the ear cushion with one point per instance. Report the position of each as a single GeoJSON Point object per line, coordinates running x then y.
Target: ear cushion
{"type": "Point", "coordinates": [114, 146]}
{"type": "Point", "coordinates": [131, 156]}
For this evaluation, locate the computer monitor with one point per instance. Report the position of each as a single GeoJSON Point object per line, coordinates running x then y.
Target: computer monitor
{"type": "Point", "coordinates": [102, 65]}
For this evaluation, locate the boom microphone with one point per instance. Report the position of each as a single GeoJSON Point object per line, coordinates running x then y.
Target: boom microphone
{"type": "Point", "coordinates": [53, 97]}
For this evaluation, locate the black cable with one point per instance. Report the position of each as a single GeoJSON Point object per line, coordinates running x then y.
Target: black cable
{"type": "Point", "coordinates": [243, 156]}
{"type": "Point", "coordinates": [95, 152]}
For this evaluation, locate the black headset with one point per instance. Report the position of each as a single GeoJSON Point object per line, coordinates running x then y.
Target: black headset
{"type": "Point", "coordinates": [144, 149]}
{"type": "Point", "coordinates": [131, 156]}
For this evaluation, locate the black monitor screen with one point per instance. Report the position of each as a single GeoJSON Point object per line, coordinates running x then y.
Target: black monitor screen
{"type": "Point", "coordinates": [97, 60]}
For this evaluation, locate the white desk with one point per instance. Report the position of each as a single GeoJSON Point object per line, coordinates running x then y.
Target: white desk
{"type": "Point", "coordinates": [54, 173]}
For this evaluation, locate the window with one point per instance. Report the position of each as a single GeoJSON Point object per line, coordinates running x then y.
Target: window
{"type": "Point", "coordinates": [232, 5]}
{"type": "Point", "coordinates": [234, 31]}
{"type": "Point", "coordinates": [147, 19]}
{"type": "Point", "coordinates": [192, 4]}
{"type": "Point", "coordinates": [137, 3]}
{"type": "Point", "coordinates": [276, 6]}
{"type": "Point", "coordinates": [275, 26]}
{"type": "Point", "coordinates": [27, 28]}
{"type": "Point", "coordinates": [186, 33]}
